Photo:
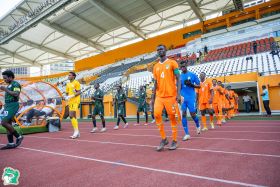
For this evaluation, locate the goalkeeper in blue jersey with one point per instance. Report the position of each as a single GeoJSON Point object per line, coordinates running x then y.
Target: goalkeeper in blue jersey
{"type": "Point", "coordinates": [189, 81]}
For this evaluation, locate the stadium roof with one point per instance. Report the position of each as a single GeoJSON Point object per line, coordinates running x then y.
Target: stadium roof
{"type": "Point", "coordinates": [84, 28]}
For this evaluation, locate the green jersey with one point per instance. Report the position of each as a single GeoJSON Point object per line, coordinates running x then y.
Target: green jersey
{"type": "Point", "coordinates": [98, 94]}
{"type": "Point", "coordinates": [15, 87]}
{"type": "Point", "coordinates": [142, 97]}
{"type": "Point", "coordinates": [120, 98]}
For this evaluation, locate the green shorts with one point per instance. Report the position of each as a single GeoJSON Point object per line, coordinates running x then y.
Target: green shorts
{"type": "Point", "coordinates": [98, 110]}
{"type": "Point", "coordinates": [142, 108]}
{"type": "Point", "coordinates": [10, 110]}
{"type": "Point", "coordinates": [121, 110]}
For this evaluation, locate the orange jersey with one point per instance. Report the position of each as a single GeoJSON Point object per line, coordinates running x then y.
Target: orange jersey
{"type": "Point", "coordinates": [165, 77]}
{"type": "Point", "coordinates": [236, 97]}
{"type": "Point", "coordinates": [226, 100]}
{"type": "Point", "coordinates": [231, 96]}
{"type": "Point", "coordinates": [223, 96]}
{"type": "Point", "coordinates": [218, 97]}
{"type": "Point", "coordinates": [204, 93]}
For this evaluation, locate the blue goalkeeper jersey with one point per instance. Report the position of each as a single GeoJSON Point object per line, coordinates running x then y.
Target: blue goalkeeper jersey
{"type": "Point", "coordinates": [188, 92]}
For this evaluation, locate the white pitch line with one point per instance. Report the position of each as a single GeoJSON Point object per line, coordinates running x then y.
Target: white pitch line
{"type": "Point", "coordinates": [217, 131]}
{"type": "Point", "coordinates": [143, 145]}
{"type": "Point", "coordinates": [144, 168]}
{"type": "Point", "coordinates": [150, 135]}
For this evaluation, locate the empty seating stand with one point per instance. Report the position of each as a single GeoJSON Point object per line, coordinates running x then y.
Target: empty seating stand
{"type": "Point", "coordinates": [263, 63]}
{"type": "Point", "coordinates": [239, 50]}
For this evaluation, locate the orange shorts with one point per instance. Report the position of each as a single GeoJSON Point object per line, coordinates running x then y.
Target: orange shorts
{"type": "Point", "coordinates": [217, 107]}
{"type": "Point", "coordinates": [204, 106]}
{"type": "Point", "coordinates": [171, 106]}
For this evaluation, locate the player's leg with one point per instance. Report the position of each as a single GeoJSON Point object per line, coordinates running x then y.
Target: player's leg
{"type": "Point", "coordinates": [93, 116]}
{"type": "Point", "coordinates": [101, 114]}
{"type": "Point", "coordinates": [94, 124]}
{"type": "Point", "coordinates": [227, 109]}
{"type": "Point", "coordinates": [219, 113]}
{"type": "Point", "coordinates": [216, 111]}
{"type": "Point", "coordinates": [73, 107]}
{"type": "Point", "coordinates": [138, 116]}
{"type": "Point", "coordinates": [202, 108]}
{"type": "Point", "coordinates": [153, 117]}
{"type": "Point", "coordinates": [210, 111]}
{"type": "Point", "coordinates": [122, 116]}
{"type": "Point", "coordinates": [146, 115]}
{"type": "Point", "coordinates": [10, 110]}
{"type": "Point", "coordinates": [11, 132]}
{"type": "Point", "coordinates": [118, 122]}
{"type": "Point", "coordinates": [124, 120]}
{"type": "Point", "coordinates": [171, 106]}
{"type": "Point", "coordinates": [103, 124]}
{"type": "Point", "coordinates": [158, 107]}
{"type": "Point", "coordinates": [146, 118]}
{"type": "Point", "coordinates": [185, 121]}
{"type": "Point", "coordinates": [191, 105]}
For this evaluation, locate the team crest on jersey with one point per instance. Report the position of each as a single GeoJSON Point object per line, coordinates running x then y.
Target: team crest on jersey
{"type": "Point", "coordinates": [167, 66]}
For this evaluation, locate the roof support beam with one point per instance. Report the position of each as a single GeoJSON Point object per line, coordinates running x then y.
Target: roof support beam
{"type": "Point", "coordinates": [15, 55]}
{"type": "Point", "coordinates": [43, 48]}
{"type": "Point", "coordinates": [74, 36]}
{"type": "Point", "coordinates": [69, 33]}
{"type": "Point", "coordinates": [114, 15]}
{"type": "Point", "coordinates": [196, 10]}
{"type": "Point", "coordinates": [86, 21]}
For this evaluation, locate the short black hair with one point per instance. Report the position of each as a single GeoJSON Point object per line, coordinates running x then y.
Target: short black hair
{"type": "Point", "coordinates": [203, 73]}
{"type": "Point", "coordinates": [9, 74]}
{"type": "Point", "coordinates": [162, 45]}
{"type": "Point", "coordinates": [263, 86]}
{"type": "Point", "coordinates": [73, 73]}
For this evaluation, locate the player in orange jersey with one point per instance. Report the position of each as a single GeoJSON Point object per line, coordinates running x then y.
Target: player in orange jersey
{"type": "Point", "coordinates": [225, 101]}
{"type": "Point", "coordinates": [218, 102]}
{"type": "Point", "coordinates": [236, 104]}
{"type": "Point", "coordinates": [232, 102]}
{"type": "Point", "coordinates": [205, 99]}
{"type": "Point", "coordinates": [167, 90]}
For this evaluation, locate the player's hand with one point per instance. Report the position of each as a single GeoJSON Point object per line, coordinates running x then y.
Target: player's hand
{"type": "Point", "coordinates": [182, 99]}
{"type": "Point", "coordinates": [188, 83]}
{"type": "Point", "coordinates": [67, 98]}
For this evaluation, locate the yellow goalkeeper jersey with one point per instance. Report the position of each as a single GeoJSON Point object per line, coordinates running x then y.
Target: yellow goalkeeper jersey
{"type": "Point", "coordinates": [71, 89]}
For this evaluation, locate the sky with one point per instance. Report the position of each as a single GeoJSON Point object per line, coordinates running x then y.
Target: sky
{"type": "Point", "coordinates": [6, 6]}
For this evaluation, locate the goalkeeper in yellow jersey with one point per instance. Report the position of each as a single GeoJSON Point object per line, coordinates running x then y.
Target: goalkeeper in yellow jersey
{"type": "Point", "coordinates": [73, 92]}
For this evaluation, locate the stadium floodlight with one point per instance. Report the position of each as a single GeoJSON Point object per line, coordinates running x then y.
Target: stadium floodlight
{"type": "Point", "coordinates": [33, 18]}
